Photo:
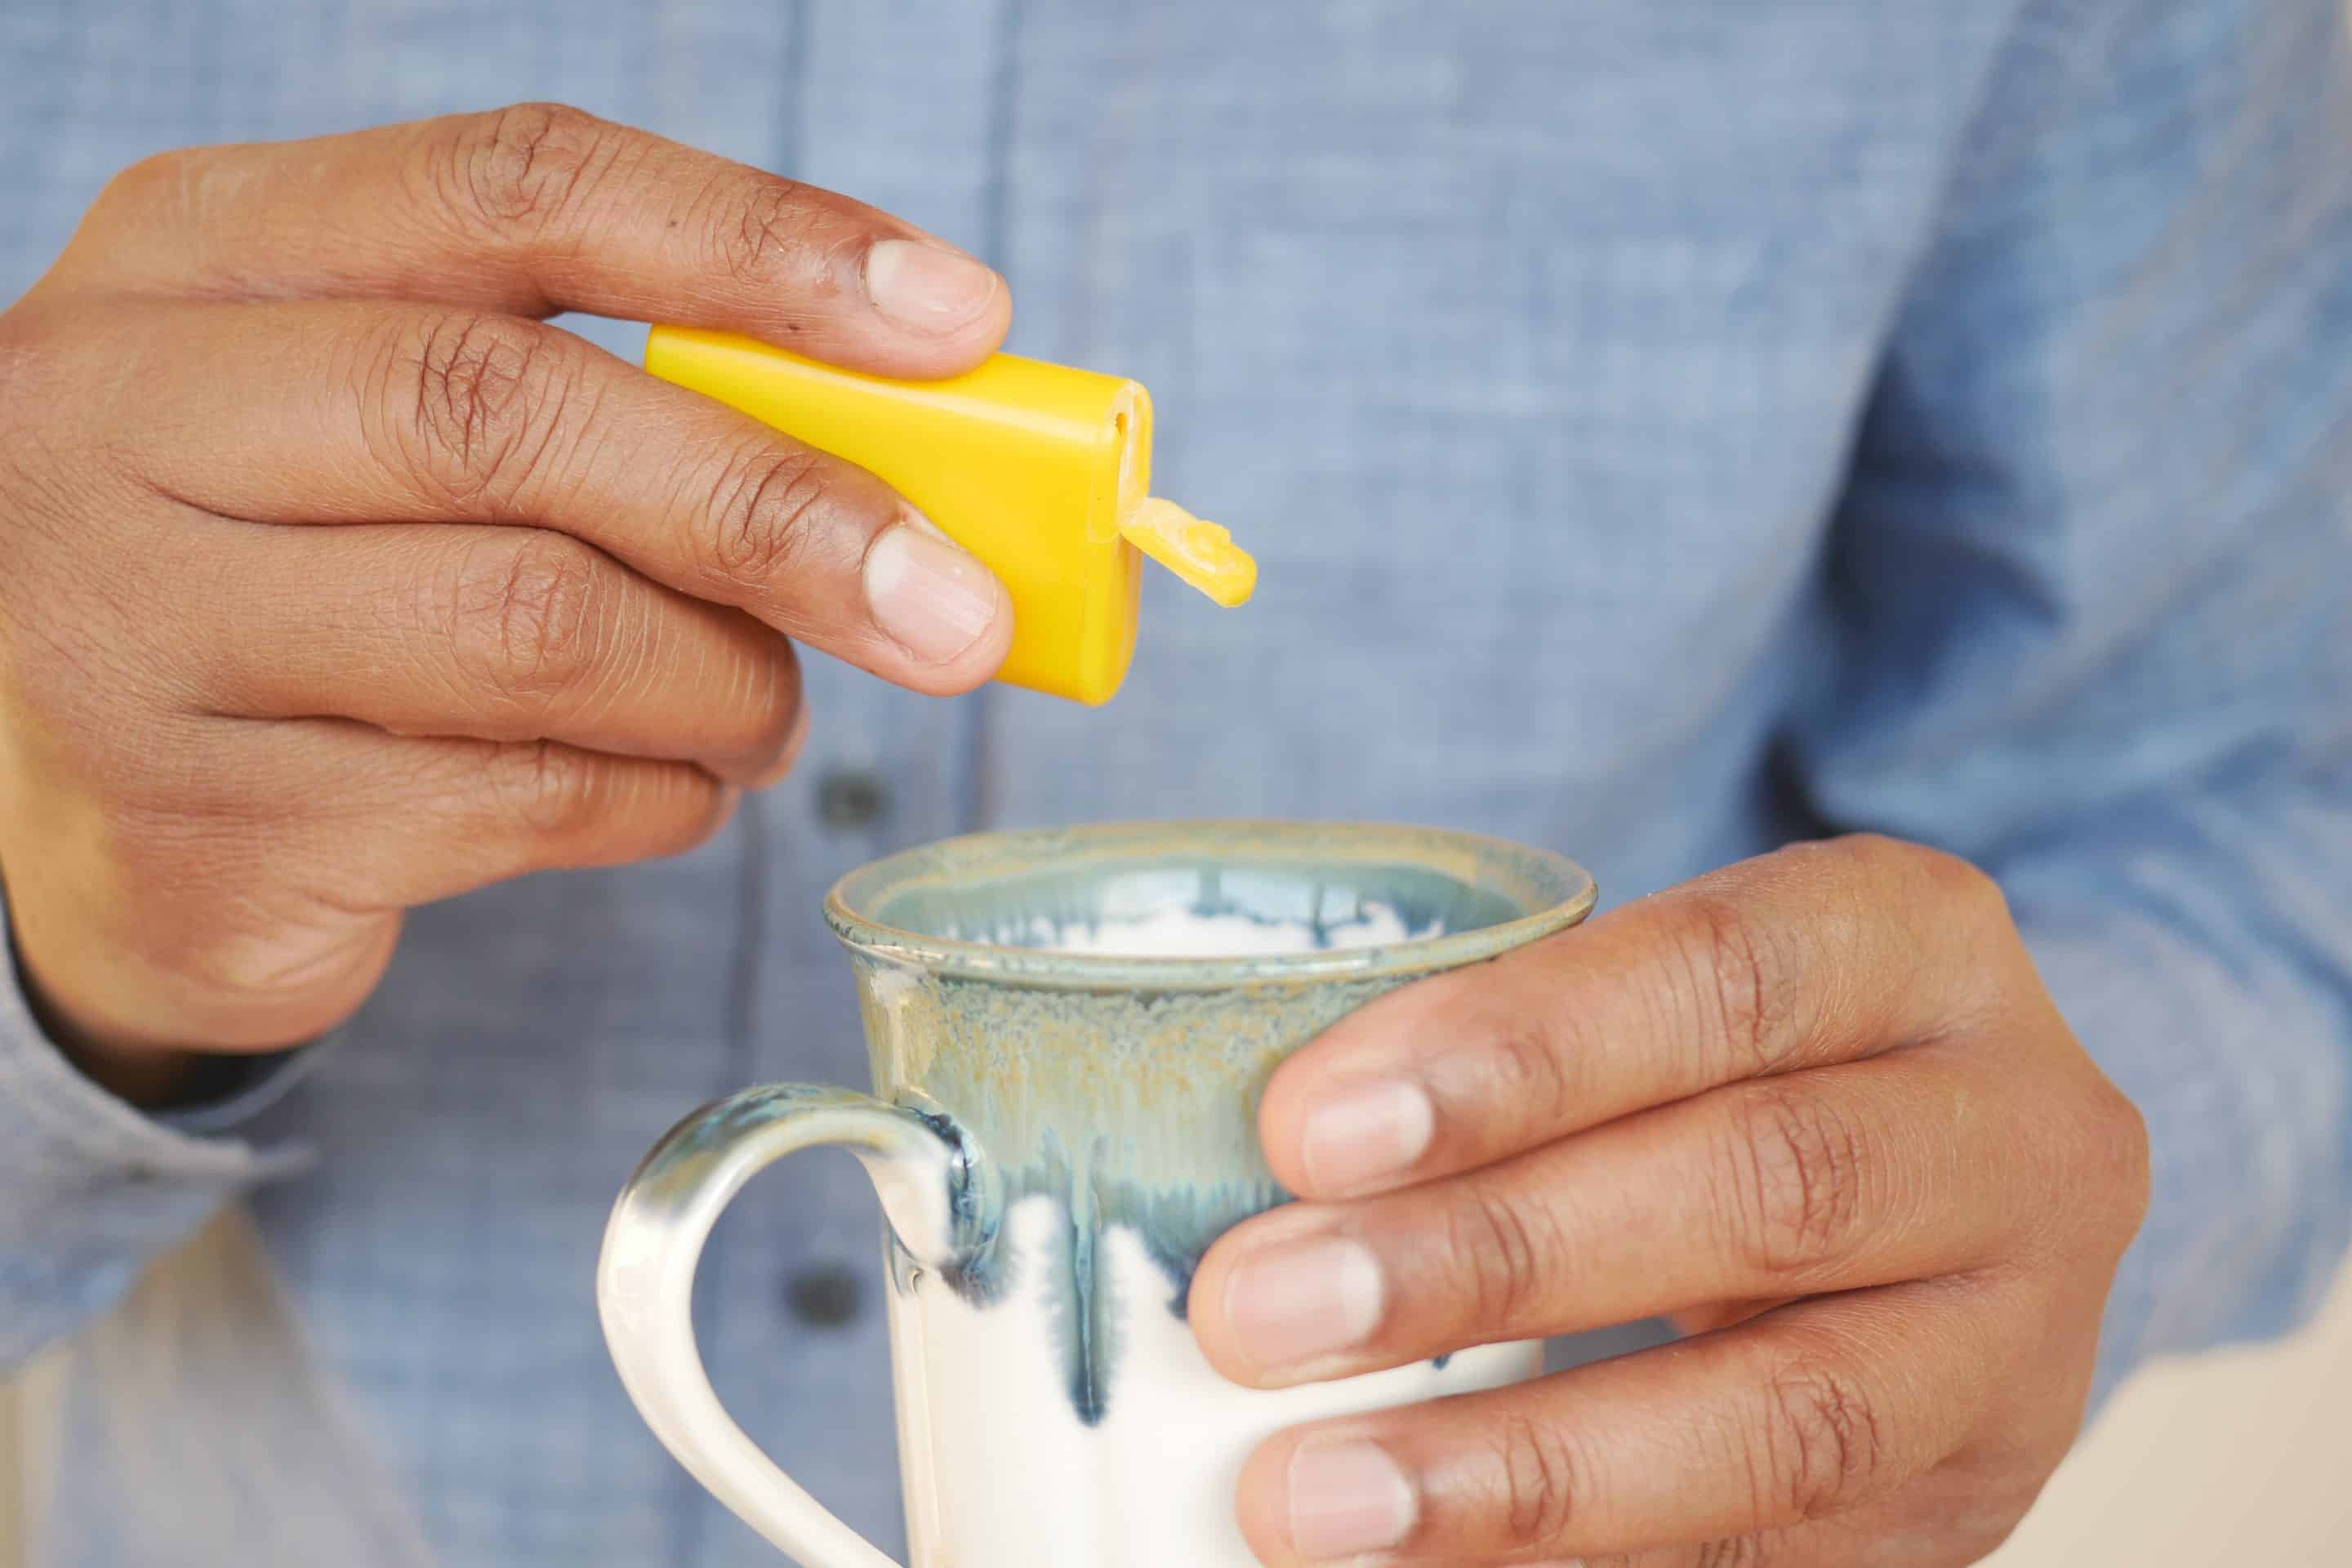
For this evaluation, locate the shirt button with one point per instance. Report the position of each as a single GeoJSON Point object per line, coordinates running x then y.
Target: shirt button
{"type": "Point", "coordinates": [825, 1295]}
{"type": "Point", "coordinates": [851, 798]}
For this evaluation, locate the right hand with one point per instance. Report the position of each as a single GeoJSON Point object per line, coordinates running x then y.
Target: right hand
{"type": "Point", "coordinates": [332, 581]}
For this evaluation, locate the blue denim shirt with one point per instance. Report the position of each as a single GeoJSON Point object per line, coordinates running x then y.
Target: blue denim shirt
{"type": "Point", "coordinates": [1666, 430]}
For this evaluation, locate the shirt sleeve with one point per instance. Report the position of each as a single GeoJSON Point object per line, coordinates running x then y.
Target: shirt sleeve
{"type": "Point", "coordinates": [2092, 588]}
{"type": "Point", "coordinates": [90, 1188]}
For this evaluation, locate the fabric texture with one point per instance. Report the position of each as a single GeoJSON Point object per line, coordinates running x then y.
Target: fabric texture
{"type": "Point", "coordinates": [1665, 431]}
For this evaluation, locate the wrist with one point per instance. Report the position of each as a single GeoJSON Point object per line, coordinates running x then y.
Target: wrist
{"type": "Point", "coordinates": [149, 1076]}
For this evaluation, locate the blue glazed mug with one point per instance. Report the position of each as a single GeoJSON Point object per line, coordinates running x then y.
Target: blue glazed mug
{"type": "Point", "coordinates": [1070, 1031]}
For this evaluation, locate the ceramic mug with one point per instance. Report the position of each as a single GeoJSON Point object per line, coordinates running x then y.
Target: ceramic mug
{"type": "Point", "coordinates": [1069, 1031]}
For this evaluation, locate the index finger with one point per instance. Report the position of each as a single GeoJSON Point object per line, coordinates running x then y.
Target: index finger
{"type": "Point", "coordinates": [327, 414]}
{"type": "Point", "coordinates": [536, 209]}
{"type": "Point", "coordinates": [1816, 954]}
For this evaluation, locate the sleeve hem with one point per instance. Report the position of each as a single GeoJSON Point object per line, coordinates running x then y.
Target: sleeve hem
{"type": "Point", "coordinates": [76, 1118]}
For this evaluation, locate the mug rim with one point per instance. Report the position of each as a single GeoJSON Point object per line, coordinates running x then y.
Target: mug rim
{"type": "Point", "coordinates": [1048, 967]}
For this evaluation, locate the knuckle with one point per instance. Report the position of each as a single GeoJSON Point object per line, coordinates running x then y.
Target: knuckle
{"type": "Point", "coordinates": [2118, 1161]}
{"type": "Point", "coordinates": [517, 166]}
{"type": "Point", "coordinates": [528, 622]}
{"type": "Point", "coordinates": [762, 518]}
{"type": "Point", "coordinates": [2128, 1140]}
{"type": "Point", "coordinates": [1950, 884]}
{"type": "Point", "coordinates": [1541, 1485]}
{"type": "Point", "coordinates": [1732, 1551]}
{"type": "Point", "coordinates": [1530, 1057]}
{"type": "Point", "coordinates": [483, 402]}
{"type": "Point", "coordinates": [1501, 1252]}
{"type": "Point", "coordinates": [1737, 985]}
{"type": "Point", "coordinates": [1823, 1444]}
{"type": "Point", "coordinates": [1798, 1166]}
{"type": "Point", "coordinates": [764, 228]}
{"type": "Point", "coordinates": [549, 789]}
{"type": "Point", "coordinates": [158, 182]}
{"type": "Point", "coordinates": [1955, 883]}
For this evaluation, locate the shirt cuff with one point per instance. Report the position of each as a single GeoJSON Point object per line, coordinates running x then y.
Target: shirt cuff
{"type": "Point", "coordinates": [91, 1187]}
{"type": "Point", "coordinates": [250, 1086]}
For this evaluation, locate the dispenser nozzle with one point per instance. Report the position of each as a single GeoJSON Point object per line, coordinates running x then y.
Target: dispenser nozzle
{"type": "Point", "coordinates": [1203, 553]}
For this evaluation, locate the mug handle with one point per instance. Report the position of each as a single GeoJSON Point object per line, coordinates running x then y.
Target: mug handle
{"type": "Point", "coordinates": [940, 1197]}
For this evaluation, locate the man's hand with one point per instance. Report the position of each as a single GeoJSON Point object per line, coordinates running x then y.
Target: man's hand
{"type": "Point", "coordinates": [332, 582]}
{"type": "Point", "coordinates": [1819, 1109]}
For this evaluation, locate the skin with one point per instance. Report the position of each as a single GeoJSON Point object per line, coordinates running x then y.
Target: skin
{"type": "Point", "coordinates": [332, 582]}
{"type": "Point", "coordinates": [1818, 1110]}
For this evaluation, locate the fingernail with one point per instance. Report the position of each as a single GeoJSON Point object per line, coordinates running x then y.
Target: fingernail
{"type": "Point", "coordinates": [1292, 1306]}
{"type": "Point", "coordinates": [925, 289]}
{"type": "Point", "coordinates": [1366, 1134]}
{"type": "Point", "coordinates": [932, 598]}
{"type": "Point", "coordinates": [1348, 1498]}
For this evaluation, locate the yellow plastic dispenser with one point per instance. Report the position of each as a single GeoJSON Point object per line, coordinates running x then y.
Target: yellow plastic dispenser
{"type": "Point", "coordinates": [1041, 470]}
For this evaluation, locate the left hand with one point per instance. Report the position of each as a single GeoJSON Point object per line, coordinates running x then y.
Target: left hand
{"type": "Point", "coordinates": [1817, 1110]}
